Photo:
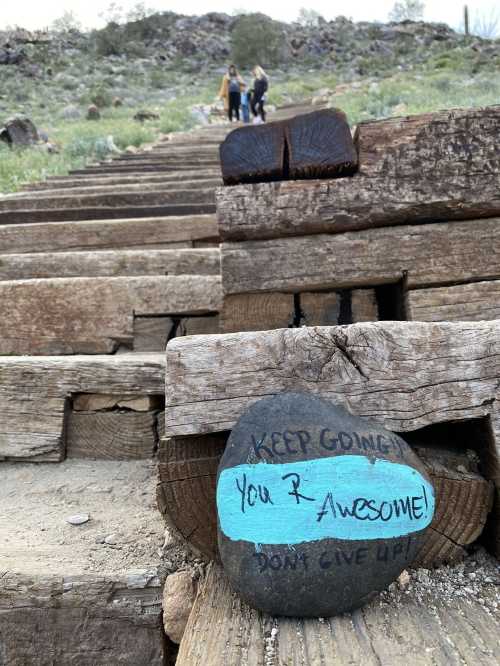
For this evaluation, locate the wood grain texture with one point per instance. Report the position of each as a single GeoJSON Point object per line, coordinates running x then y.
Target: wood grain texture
{"type": "Point", "coordinates": [152, 333]}
{"type": "Point", "coordinates": [253, 154]}
{"type": "Point", "coordinates": [298, 208]}
{"type": "Point", "coordinates": [463, 140]}
{"type": "Point", "coordinates": [66, 182]}
{"type": "Point", "coordinates": [320, 145]}
{"type": "Point", "coordinates": [186, 488]}
{"type": "Point", "coordinates": [94, 315]}
{"type": "Point", "coordinates": [113, 435]}
{"type": "Point", "coordinates": [430, 254]}
{"type": "Point", "coordinates": [316, 144]}
{"type": "Point", "coordinates": [320, 308]}
{"type": "Point", "coordinates": [109, 188]}
{"type": "Point", "coordinates": [256, 312]}
{"type": "Point", "coordinates": [207, 325]}
{"type": "Point", "coordinates": [80, 620]}
{"type": "Point", "coordinates": [104, 213]}
{"type": "Point", "coordinates": [107, 200]}
{"type": "Point", "coordinates": [108, 234]}
{"type": "Point", "coordinates": [408, 174]}
{"type": "Point", "coordinates": [364, 305]}
{"type": "Point", "coordinates": [110, 263]}
{"type": "Point", "coordinates": [475, 301]}
{"type": "Point", "coordinates": [417, 631]}
{"type": "Point", "coordinates": [404, 375]}
{"type": "Point", "coordinates": [34, 393]}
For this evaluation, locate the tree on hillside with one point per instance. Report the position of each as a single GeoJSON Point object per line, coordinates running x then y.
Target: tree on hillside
{"type": "Point", "coordinates": [487, 24]}
{"type": "Point", "coordinates": [67, 22]}
{"type": "Point", "coordinates": [309, 18]}
{"type": "Point", "coordinates": [407, 10]}
{"type": "Point", "coordinates": [257, 39]}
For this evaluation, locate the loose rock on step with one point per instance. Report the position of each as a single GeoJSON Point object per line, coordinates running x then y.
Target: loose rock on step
{"type": "Point", "coordinates": [178, 599]}
{"type": "Point", "coordinates": [318, 510]}
{"type": "Point", "coordinates": [78, 519]}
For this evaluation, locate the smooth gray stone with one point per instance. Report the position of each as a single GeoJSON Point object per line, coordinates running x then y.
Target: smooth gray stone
{"type": "Point", "coordinates": [318, 510]}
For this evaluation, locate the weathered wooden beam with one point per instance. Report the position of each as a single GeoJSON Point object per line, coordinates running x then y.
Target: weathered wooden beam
{"type": "Point", "coordinates": [116, 188]}
{"type": "Point", "coordinates": [320, 308]}
{"type": "Point", "coordinates": [112, 435]}
{"type": "Point", "coordinates": [141, 197]}
{"type": "Point", "coordinates": [110, 263]}
{"type": "Point", "coordinates": [364, 306]}
{"type": "Point", "coordinates": [169, 179]}
{"type": "Point", "coordinates": [429, 254]}
{"type": "Point", "coordinates": [35, 393]}
{"type": "Point", "coordinates": [463, 302]}
{"type": "Point", "coordinates": [257, 312]}
{"type": "Point", "coordinates": [104, 213]}
{"type": "Point", "coordinates": [186, 488]}
{"type": "Point", "coordinates": [94, 315]}
{"type": "Point", "coordinates": [402, 628]}
{"type": "Point", "coordinates": [408, 174]}
{"type": "Point", "coordinates": [384, 370]}
{"type": "Point", "coordinates": [442, 143]}
{"type": "Point", "coordinates": [159, 232]}
{"type": "Point", "coordinates": [314, 145]}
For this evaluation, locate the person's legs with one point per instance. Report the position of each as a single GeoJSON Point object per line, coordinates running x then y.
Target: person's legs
{"type": "Point", "coordinates": [262, 111]}
{"type": "Point", "coordinates": [234, 105]}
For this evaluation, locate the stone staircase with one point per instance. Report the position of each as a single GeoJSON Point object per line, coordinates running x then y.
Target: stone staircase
{"type": "Point", "coordinates": [98, 270]}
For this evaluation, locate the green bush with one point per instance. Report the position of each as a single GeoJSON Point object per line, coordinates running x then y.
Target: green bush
{"type": "Point", "coordinates": [101, 97]}
{"type": "Point", "coordinates": [257, 39]}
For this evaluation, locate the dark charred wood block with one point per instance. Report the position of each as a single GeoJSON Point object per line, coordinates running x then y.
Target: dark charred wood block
{"type": "Point", "coordinates": [320, 146]}
{"type": "Point", "coordinates": [253, 154]}
{"type": "Point", "coordinates": [314, 145]}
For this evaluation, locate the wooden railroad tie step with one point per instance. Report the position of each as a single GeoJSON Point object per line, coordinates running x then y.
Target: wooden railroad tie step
{"type": "Point", "coordinates": [124, 179]}
{"type": "Point", "coordinates": [104, 213]}
{"type": "Point", "coordinates": [81, 593]}
{"type": "Point", "coordinates": [429, 255]}
{"type": "Point", "coordinates": [148, 232]}
{"type": "Point", "coordinates": [318, 144]}
{"type": "Point", "coordinates": [95, 315]}
{"type": "Point", "coordinates": [41, 403]}
{"type": "Point", "coordinates": [394, 186]}
{"type": "Point", "coordinates": [418, 626]}
{"type": "Point", "coordinates": [110, 263]}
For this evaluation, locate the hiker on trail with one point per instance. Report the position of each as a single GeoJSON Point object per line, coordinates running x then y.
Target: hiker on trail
{"type": "Point", "coordinates": [230, 92]}
{"type": "Point", "coordinates": [245, 103]}
{"type": "Point", "coordinates": [260, 86]}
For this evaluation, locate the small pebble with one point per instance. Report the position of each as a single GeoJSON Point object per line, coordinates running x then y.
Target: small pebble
{"type": "Point", "coordinates": [78, 519]}
{"type": "Point", "coordinates": [111, 539]}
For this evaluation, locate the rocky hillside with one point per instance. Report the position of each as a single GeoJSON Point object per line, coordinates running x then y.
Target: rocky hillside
{"type": "Point", "coordinates": [204, 42]}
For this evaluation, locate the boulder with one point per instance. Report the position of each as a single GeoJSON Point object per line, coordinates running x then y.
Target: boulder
{"type": "Point", "coordinates": [19, 131]}
{"type": "Point", "coordinates": [93, 113]}
{"type": "Point", "coordinates": [143, 115]}
{"type": "Point", "coordinates": [178, 598]}
{"type": "Point", "coordinates": [318, 510]}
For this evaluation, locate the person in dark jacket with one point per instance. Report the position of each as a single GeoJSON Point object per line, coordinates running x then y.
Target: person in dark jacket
{"type": "Point", "coordinates": [260, 87]}
{"type": "Point", "coordinates": [230, 92]}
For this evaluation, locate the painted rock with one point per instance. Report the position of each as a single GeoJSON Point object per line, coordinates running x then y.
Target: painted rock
{"type": "Point", "coordinates": [318, 510]}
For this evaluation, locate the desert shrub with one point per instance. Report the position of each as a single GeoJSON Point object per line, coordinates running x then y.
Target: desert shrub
{"type": "Point", "coordinates": [109, 40]}
{"type": "Point", "coordinates": [407, 10]}
{"type": "Point", "coordinates": [100, 96]}
{"type": "Point", "coordinates": [257, 39]}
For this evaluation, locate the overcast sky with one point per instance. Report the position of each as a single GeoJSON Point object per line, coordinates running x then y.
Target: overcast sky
{"type": "Point", "coordinates": [36, 14]}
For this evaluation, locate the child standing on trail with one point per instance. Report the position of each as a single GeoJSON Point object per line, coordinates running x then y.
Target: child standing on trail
{"type": "Point", "coordinates": [245, 103]}
{"type": "Point", "coordinates": [260, 87]}
{"type": "Point", "coordinates": [230, 92]}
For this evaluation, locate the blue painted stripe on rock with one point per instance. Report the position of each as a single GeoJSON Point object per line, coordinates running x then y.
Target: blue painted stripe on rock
{"type": "Point", "coordinates": [343, 497]}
